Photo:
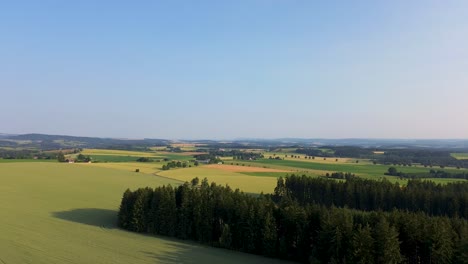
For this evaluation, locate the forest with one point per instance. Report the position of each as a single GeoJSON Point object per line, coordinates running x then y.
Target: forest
{"type": "Point", "coordinates": [392, 171]}
{"type": "Point", "coordinates": [292, 224]}
{"type": "Point", "coordinates": [426, 157]}
{"type": "Point", "coordinates": [213, 155]}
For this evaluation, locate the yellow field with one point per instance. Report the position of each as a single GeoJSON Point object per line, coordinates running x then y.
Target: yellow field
{"type": "Point", "coordinates": [117, 153]}
{"type": "Point", "coordinates": [246, 183]}
{"type": "Point", "coordinates": [235, 168]}
{"type": "Point", "coordinates": [144, 167]}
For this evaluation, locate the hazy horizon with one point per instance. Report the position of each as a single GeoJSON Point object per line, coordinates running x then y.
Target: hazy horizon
{"type": "Point", "coordinates": [246, 69]}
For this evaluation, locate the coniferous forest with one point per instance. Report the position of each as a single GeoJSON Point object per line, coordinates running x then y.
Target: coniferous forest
{"type": "Point", "coordinates": [310, 220]}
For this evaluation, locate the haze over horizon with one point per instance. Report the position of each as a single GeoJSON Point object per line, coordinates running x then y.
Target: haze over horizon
{"type": "Point", "coordinates": [246, 69]}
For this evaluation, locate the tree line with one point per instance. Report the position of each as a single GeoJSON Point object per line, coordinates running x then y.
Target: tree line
{"type": "Point", "coordinates": [337, 151]}
{"type": "Point", "coordinates": [426, 157]}
{"type": "Point", "coordinates": [177, 164]}
{"type": "Point", "coordinates": [236, 154]}
{"type": "Point", "coordinates": [280, 226]}
{"type": "Point", "coordinates": [392, 171]}
{"type": "Point", "coordinates": [363, 194]}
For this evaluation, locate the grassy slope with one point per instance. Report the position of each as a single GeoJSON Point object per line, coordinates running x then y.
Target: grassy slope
{"type": "Point", "coordinates": [65, 213]}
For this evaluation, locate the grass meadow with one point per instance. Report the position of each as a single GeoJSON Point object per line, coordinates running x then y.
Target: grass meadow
{"type": "Point", "coordinates": [460, 155]}
{"type": "Point", "coordinates": [66, 213]}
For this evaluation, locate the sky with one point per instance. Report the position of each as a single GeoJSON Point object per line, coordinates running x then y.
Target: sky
{"type": "Point", "coordinates": [235, 69]}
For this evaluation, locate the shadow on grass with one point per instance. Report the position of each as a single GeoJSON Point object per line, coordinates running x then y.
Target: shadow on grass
{"type": "Point", "coordinates": [103, 218]}
{"type": "Point", "coordinates": [183, 251]}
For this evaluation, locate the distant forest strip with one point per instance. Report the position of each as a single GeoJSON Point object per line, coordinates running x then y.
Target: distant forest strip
{"type": "Point", "coordinates": [291, 226]}
{"type": "Point", "coordinates": [369, 195]}
{"type": "Point", "coordinates": [406, 157]}
{"type": "Point", "coordinates": [392, 171]}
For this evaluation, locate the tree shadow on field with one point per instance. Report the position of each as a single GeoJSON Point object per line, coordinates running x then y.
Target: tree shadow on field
{"type": "Point", "coordinates": [183, 251]}
{"type": "Point", "coordinates": [103, 218]}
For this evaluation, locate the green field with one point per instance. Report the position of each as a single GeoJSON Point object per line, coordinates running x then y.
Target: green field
{"type": "Point", "coordinates": [112, 158]}
{"type": "Point", "coordinates": [359, 169]}
{"type": "Point", "coordinates": [460, 155]}
{"type": "Point", "coordinates": [66, 213]}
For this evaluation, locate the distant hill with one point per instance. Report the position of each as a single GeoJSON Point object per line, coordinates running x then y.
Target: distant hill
{"type": "Point", "coordinates": [48, 142]}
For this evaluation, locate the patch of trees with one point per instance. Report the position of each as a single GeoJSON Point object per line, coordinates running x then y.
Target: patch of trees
{"type": "Point", "coordinates": [392, 171]}
{"type": "Point", "coordinates": [174, 164]}
{"type": "Point", "coordinates": [352, 152]}
{"type": "Point", "coordinates": [82, 158]}
{"type": "Point", "coordinates": [61, 157]}
{"type": "Point", "coordinates": [313, 152]}
{"type": "Point", "coordinates": [276, 158]}
{"type": "Point", "coordinates": [340, 175]}
{"type": "Point", "coordinates": [337, 151]}
{"type": "Point", "coordinates": [426, 157]}
{"type": "Point", "coordinates": [210, 158]}
{"type": "Point", "coordinates": [174, 149]}
{"type": "Point", "coordinates": [144, 159]}
{"type": "Point", "coordinates": [237, 154]}
{"type": "Point", "coordinates": [25, 154]}
{"type": "Point", "coordinates": [285, 228]}
{"type": "Point", "coordinates": [369, 195]}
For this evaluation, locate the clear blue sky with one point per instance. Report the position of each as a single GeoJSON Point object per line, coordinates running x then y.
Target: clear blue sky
{"type": "Point", "coordinates": [229, 69]}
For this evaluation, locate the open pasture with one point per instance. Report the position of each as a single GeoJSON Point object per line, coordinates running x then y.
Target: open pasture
{"type": "Point", "coordinates": [66, 213]}
{"type": "Point", "coordinates": [460, 156]}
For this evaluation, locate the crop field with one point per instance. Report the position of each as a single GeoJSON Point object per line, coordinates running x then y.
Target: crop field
{"type": "Point", "coordinates": [246, 183]}
{"type": "Point", "coordinates": [357, 168]}
{"type": "Point", "coordinates": [112, 152]}
{"type": "Point", "coordinates": [66, 213]}
{"type": "Point", "coordinates": [460, 155]}
{"type": "Point", "coordinates": [235, 168]}
{"type": "Point", "coordinates": [144, 167]}
{"type": "Point", "coordinates": [105, 155]}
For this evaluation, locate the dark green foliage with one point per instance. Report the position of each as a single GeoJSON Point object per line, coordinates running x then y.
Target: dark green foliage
{"type": "Point", "coordinates": [362, 245]}
{"type": "Point", "coordinates": [82, 158]}
{"type": "Point", "coordinates": [386, 245]}
{"type": "Point", "coordinates": [284, 226]}
{"type": "Point", "coordinates": [213, 156]}
{"type": "Point", "coordinates": [434, 199]}
{"type": "Point", "coordinates": [60, 157]}
{"type": "Point", "coordinates": [431, 174]}
{"type": "Point", "coordinates": [426, 157]}
{"type": "Point", "coordinates": [174, 164]}
{"type": "Point", "coordinates": [144, 159]}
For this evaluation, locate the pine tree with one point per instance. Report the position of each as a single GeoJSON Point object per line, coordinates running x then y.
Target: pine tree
{"type": "Point", "coordinates": [441, 241]}
{"type": "Point", "coordinates": [387, 245]}
{"type": "Point", "coordinates": [226, 237]}
{"type": "Point", "coordinates": [269, 238]}
{"type": "Point", "coordinates": [125, 214]}
{"type": "Point", "coordinates": [362, 245]}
